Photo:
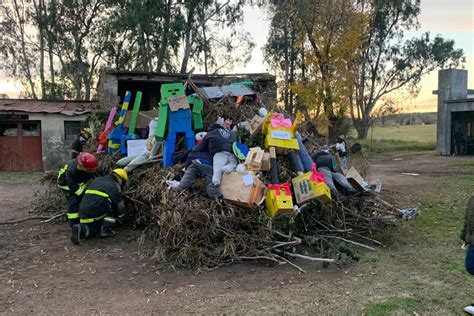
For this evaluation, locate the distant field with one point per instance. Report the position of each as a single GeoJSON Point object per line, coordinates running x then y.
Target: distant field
{"type": "Point", "coordinates": [417, 133]}
{"type": "Point", "coordinates": [400, 138]}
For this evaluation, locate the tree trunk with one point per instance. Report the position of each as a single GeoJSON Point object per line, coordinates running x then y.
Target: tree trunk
{"type": "Point", "coordinates": [40, 23]}
{"type": "Point", "coordinates": [287, 66]}
{"type": "Point", "coordinates": [41, 67]}
{"type": "Point", "coordinates": [187, 41]}
{"type": "Point", "coordinates": [142, 49]}
{"type": "Point", "coordinates": [291, 104]}
{"type": "Point", "coordinates": [362, 127]}
{"type": "Point", "coordinates": [83, 73]}
{"type": "Point", "coordinates": [333, 129]}
{"type": "Point", "coordinates": [26, 61]}
{"type": "Point", "coordinates": [87, 86]}
{"type": "Point", "coordinates": [51, 62]}
{"type": "Point", "coordinates": [187, 52]}
{"type": "Point", "coordinates": [165, 35]}
{"type": "Point", "coordinates": [303, 64]}
{"type": "Point", "coordinates": [205, 48]}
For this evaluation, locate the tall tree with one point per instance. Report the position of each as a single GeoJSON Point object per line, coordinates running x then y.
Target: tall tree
{"type": "Point", "coordinates": [79, 49]}
{"type": "Point", "coordinates": [332, 33]}
{"type": "Point", "coordinates": [283, 53]}
{"type": "Point", "coordinates": [212, 35]}
{"type": "Point", "coordinates": [56, 48]}
{"type": "Point", "coordinates": [388, 62]}
{"type": "Point", "coordinates": [15, 44]}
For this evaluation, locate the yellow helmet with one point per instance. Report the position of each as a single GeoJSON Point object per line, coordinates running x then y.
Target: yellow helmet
{"type": "Point", "coordinates": [86, 132]}
{"type": "Point", "coordinates": [121, 173]}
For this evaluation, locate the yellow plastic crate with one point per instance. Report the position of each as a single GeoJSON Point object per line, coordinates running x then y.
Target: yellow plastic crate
{"type": "Point", "coordinates": [278, 204]}
{"type": "Point", "coordinates": [306, 189]}
{"type": "Point", "coordinates": [280, 137]}
{"type": "Point", "coordinates": [271, 141]}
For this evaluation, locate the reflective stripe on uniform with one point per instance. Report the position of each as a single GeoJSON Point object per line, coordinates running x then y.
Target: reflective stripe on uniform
{"type": "Point", "coordinates": [63, 187]}
{"type": "Point", "coordinates": [114, 146]}
{"type": "Point", "coordinates": [91, 220]}
{"type": "Point", "coordinates": [60, 173]}
{"type": "Point", "coordinates": [82, 187]}
{"type": "Point", "coordinates": [72, 215]}
{"type": "Point", "coordinates": [99, 193]}
{"type": "Point", "coordinates": [110, 219]}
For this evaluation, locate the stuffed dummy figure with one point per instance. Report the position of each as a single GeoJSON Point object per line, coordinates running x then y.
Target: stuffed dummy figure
{"type": "Point", "coordinates": [218, 142]}
{"type": "Point", "coordinates": [302, 161]}
{"type": "Point", "coordinates": [224, 160]}
{"type": "Point", "coordinates": [132, 162]}
{"type": "Point", "coordinates": [342, 150]}
{"type": "Point", "coordinates": [199, 137]}
{"type": "Point", "coordinates": [199, 163]}
{"type": "Point", "coordinates": [337, 182]}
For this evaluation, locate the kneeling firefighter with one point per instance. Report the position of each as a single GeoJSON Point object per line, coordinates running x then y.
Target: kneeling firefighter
{"type": "Point", "coordinates": [101, 206]}
{"type": "Point", "coordinates": [72, 180]}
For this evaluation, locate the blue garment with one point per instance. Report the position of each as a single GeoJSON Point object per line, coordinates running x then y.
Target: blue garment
{"type": "Point", "coordinates": [469, 262]}
{"type": "Point", "coordinates": [203, 156]}
{"type": "Point", "coordinates": [302, 161]}
{"type": "Point", "coordinates": [303, 154]}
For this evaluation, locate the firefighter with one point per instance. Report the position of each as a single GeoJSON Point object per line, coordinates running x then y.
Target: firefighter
{"type": "Point", "coordinates": [72, 179]}
{"type": "Point", "coordinates": [101, 207]}
{"type": "Point", "coordinates": [79, 142]}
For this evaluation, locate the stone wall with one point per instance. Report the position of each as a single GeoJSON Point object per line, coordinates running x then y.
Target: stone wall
{"type": "Point", "coordinates": [107, 90]}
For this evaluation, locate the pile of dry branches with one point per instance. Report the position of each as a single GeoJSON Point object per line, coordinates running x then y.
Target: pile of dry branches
{"type": "Point", "coordinates": [191, 231]}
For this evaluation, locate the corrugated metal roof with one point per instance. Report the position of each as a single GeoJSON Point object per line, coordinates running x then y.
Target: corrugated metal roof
{"type": "Point", "coordinates": [38, 106]}
{"type": "Point", "coordinates": [219, 92]}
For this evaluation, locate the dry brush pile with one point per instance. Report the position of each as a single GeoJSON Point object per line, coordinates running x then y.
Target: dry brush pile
{"type": "Point", "coordinates": [189, 230]}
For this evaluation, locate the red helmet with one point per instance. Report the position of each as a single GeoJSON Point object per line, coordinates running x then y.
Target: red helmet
{"type": "Point", "coordinates": [88, 161]}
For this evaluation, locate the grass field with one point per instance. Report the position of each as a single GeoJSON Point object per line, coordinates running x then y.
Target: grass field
{"type": "Point", "coordinates": [412, 133]}
{"type": "Point", "coordinates": [400, 138]}
{"type": "Point", "coordinates": [424, 263]}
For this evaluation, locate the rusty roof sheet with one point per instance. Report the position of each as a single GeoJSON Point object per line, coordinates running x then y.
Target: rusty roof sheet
{"type": "Point", "coordinates": [70, 108]}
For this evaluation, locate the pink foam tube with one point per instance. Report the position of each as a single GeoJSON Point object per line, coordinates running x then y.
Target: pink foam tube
{"type": "Point", "coordinates": [108, 124]}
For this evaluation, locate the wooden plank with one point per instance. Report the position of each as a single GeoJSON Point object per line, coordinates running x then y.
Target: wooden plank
{"type": "Point", "coordinates": [136, 109]}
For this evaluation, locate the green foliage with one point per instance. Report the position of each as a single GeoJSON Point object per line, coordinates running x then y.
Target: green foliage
{"type": "Point", "coordinates": [95, 121]}
{"type": "Point", "coordinates": [59, 47]}
{"type": "Point", "coordinates": [389, 62]}
{"type": "Point", "coordinates": [325, 38]}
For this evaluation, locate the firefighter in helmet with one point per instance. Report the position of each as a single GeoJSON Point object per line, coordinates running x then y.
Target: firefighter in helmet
{"type": "Point", "coordinates": [81, 139]}
{"type": "Point", "coordinates": [101, 207]}
{"type": "Point", "coordinates": [73, 178]}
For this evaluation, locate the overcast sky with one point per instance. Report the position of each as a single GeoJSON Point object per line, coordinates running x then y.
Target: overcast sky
{"type": "Point", "coordinates": [452, 19]}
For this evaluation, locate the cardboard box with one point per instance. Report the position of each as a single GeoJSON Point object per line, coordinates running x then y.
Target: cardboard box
{"type": "Point", "coordinates": [177, 103]}
{"type": "Point", "coordinates": [255, 124]}
{"type": "Point", "coordinates": [306, 189]}
{"type": "Point", "coordinates": [144, 118]}
{"type": "Point", "coordinates": [266, 162]}
{"type": "Point", "coordinates": [254, 159]}
{"type": "Point", "coordinates": [236, 192]}
{"type": "Point", "coordinates": [355, 179]}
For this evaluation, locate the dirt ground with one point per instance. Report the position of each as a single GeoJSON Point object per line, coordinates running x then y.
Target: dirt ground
{"type": "Point", "coordinates": [42, 272]}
